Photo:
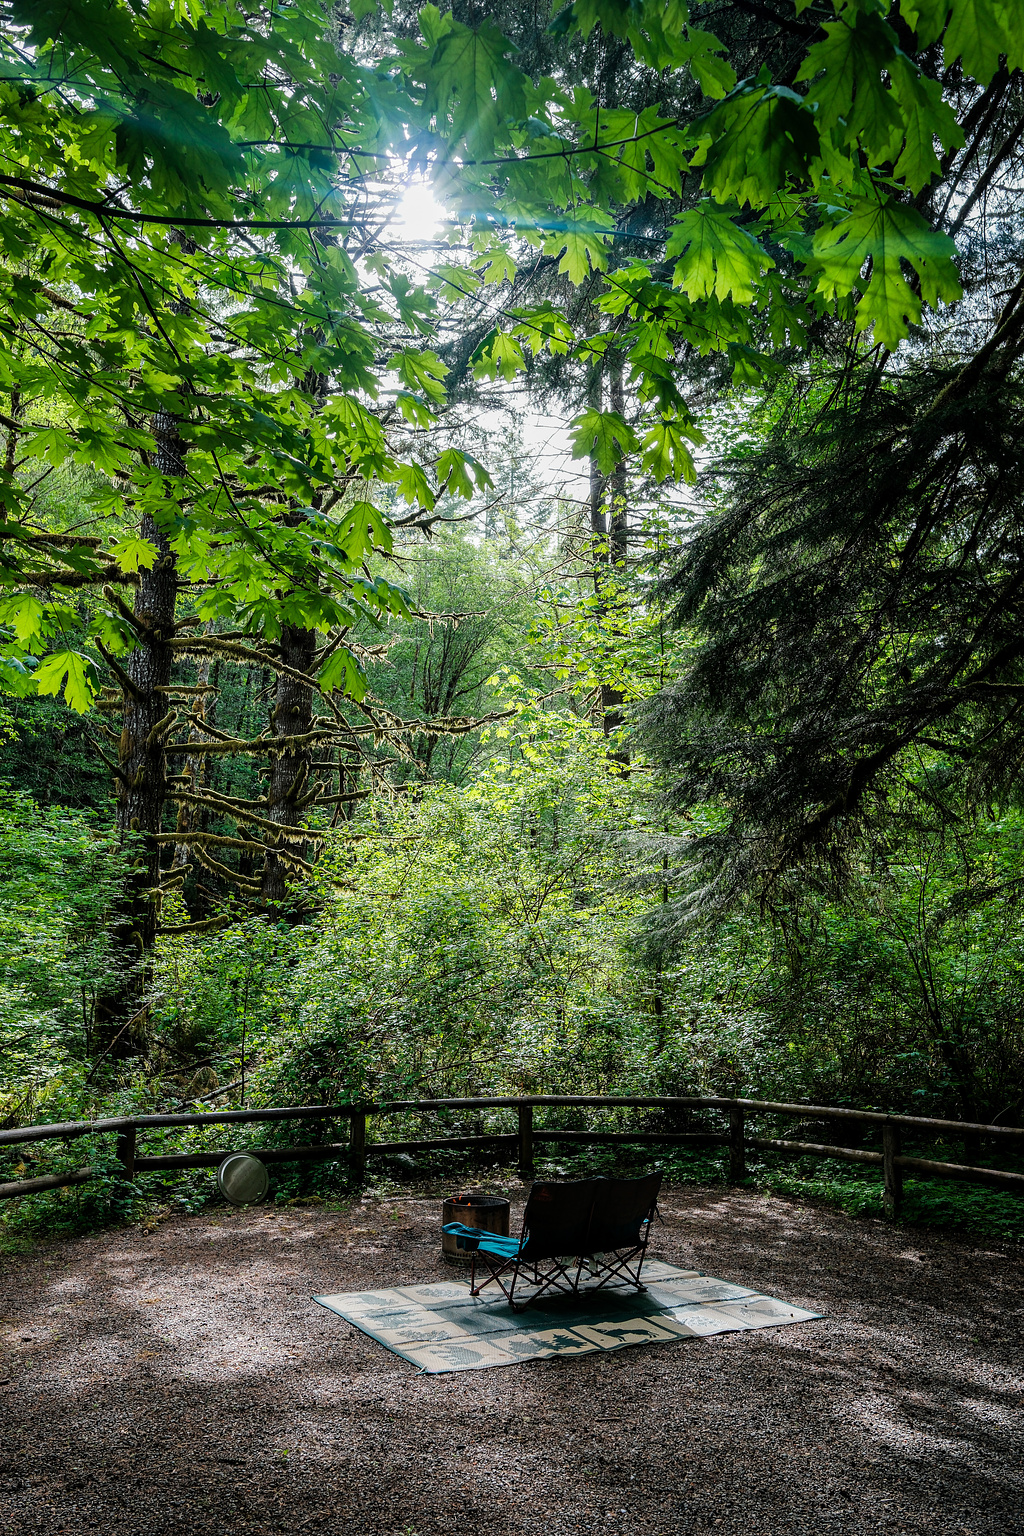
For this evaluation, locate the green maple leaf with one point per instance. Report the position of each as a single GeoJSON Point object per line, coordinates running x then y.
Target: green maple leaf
{"type": "Point", "coordinates": [654, 137]}
{"type": "Point", "coordinates": [423, 373]}
{"type": "Point", "coordinates": [582, 247]}
{"type": "Point", "coordinates": [414, 409]}
{"type": "Point", "coordinates": [925, 17]}
{"type": "Point", "coordinates": [342, 671]}
{"type": "Point", "coordinates": [927, 117]}
{"type": "Point", "coordinates": [716, 256]}
{"type": "Point", "coordinates": [471, 83]}
{"type": "Point", "coordinates": [886, 234]}
{"type": "Point", "coordinates": [25, 613]}
{"type": "Point", "coordinates": [667, 453]}
{"type": "Point", "coordinates": [715, 75]}
{"type": "Point", "coordinates": [495, 265]}
{"type": "Point", "coordinates": [977, 33]}
{"type": "Point", "coordinates": [361, 529]}
{"type": "Point", "coordinates": [133, 554]}
{"type": "Point", "coordinates": [755, 142]}
{"type": "Point", "coordinates": [498, 354]}
{"type": "Point", "coordinates": [72, 671]}
{"type": "Point", "coordinates": [847, 70]}
{"type": "Point", "coordinates": [52, 444]}
{"type": "Point", "coordinates": [604, 436]}
{"type": "Point", "coordinates": [384, 597]}
{"type": "Point", "coordinates": [542, 325]}
{"type": "Point", "coordinates": [453, 472]}
{"type": "Point", "coordinates": [412, 482]}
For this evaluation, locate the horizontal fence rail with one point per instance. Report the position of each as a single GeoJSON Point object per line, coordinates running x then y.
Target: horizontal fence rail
{"type": "Point", "coordinates": [355, 1150]}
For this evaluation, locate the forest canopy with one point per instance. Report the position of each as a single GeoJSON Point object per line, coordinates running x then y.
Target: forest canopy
{"type": "Point", "coordinates": [511, 549]}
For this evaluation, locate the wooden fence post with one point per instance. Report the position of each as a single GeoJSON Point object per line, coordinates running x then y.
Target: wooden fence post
{"type": "Point", "coordinates": [737, 1147]}
{"type": "Point", "coordinates": [891, 1172]}
{"type": "Point", "coordinates": [525, 1141]}
{"type": "Point", "coordinates": [357, 1147]}
{"type": "Point", "coordinates": [972, 1148]}
{"type": "Point", "coordinates": [124, 1151]}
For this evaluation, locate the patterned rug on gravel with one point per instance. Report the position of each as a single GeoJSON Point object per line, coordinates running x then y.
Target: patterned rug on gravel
{"type": "Point", "coordinates": [443, 1328]}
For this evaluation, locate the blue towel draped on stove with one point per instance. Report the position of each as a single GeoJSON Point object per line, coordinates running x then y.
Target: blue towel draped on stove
{"type": "Point", "coordinates": [475, 1239]}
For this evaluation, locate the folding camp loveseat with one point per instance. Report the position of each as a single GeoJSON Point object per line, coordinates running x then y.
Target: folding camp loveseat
{"type": "Point", "coordinates": [602, 1224]}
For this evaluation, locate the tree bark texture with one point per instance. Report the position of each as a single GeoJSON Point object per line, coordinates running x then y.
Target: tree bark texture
{"type": "Point", "coordinates": [618, 521]}
{"type": "Point", "coordinates": [292, 715]}
{"type": "Point", "coordinates": [196, 768]}
{"type": "Point", "coordinates": [142, 765]}
{"type": "Point", "coordinates": [618, 550]}
{"type": "Point", "coordinates": [148, 718]}
{"type": "Point", "coordinates": [598, 530]}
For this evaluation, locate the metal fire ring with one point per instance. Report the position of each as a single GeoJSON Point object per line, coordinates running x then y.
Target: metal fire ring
{"type": "Point", "coordinates": [243, 1179]}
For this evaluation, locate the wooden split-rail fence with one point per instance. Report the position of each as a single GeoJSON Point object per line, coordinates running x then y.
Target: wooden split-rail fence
{"type": "Point", "coordinates": [355, 1150]}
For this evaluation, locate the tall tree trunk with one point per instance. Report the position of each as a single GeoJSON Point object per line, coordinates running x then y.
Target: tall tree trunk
{"type": "Point", "coordinates": [618, 525]}
{"type": "Point", "coordinates": [598, 531]}
{"type": "Point", "coordinates": [618, 549]}
{"type": "Point", "coordinates": [196, 768]}
{"type": "Point", "coordinates": [142, 763]}
{"type": "Point", "coordinates": [292, 715]}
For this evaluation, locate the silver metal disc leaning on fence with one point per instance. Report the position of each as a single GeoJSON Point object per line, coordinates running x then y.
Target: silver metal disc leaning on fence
{"type": "Point", "coordinates": [243, 1179]}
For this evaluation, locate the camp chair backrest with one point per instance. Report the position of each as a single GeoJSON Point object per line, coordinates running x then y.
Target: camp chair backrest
{"type": "Point", "coordinates": [588, 1216]}
{"type": "Point", "coordinates": [622, 1207]}
{"type": "Point", "coordinates": [557, 1218]}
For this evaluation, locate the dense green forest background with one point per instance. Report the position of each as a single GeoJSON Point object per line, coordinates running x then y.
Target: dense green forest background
{"type": "Point", "coordinates": [695, 772]}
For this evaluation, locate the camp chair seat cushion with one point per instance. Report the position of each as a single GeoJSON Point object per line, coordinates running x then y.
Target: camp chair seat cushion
{"type": "Point", "coordinates": [602, 1224]}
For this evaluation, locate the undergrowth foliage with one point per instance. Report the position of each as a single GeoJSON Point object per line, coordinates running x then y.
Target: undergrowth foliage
{"type": "Point", "coordinates": [700, 775]}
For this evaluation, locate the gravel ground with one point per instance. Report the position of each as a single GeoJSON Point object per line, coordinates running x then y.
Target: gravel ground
{"type": "Point", "coordinates": [181, 1380]}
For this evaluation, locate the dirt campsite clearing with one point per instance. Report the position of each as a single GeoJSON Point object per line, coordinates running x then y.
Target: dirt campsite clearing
{"type": "Point", "coordinates": [181, 1380]}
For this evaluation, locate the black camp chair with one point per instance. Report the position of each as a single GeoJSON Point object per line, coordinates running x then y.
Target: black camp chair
{"type": "Point", "coordinates": [602, 1224]}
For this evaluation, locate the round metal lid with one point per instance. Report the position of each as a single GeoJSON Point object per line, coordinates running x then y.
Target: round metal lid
{"type": "Point", "coordinates": [243, 1179]}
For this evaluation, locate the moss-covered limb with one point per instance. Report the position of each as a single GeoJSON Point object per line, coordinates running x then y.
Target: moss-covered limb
{"type": "Point", "coordinates": [175, 876]}
{"type": "Point", "coordinates": [201, 842]}
{"type": "Point", "coordinates": [62, 540]}
{"type": "Point", "coordinates": [115, 768]}
{"type": "Point", "coordinates": [293, 864]}
{"type": "Point", "coordinates": [199, 645]}
{"type": "Point", "coordinates": [205, 926]}
{"type": "Point", "coordinates": [245, 883]}
{"type": "Point", "coordinates": [207, 726]}
{"type": "Point", "coordinates": [459, 725]}
{"type": "Point", "coordinates": [352, 794]}
{"type": "Point", "coordinates": [210, 839]}
{"type": "Point", "coordinates": [127, 683]}
{"type": "Point", "coordinates": [218, 800]}
{"type": "Point", "coordinates": [74, 579]}
{"type": "Point", "coordinates": [161, 728]}
{"type": "Point", "coordinates": [260, 745]}
{"type": "Point", "coordinates": [223, 806]}
{"type": "Point", "coordinates": [130, 617]}
{"type": "Point", "coordinates": [454, 619]}
{"type": "Point", "coordinates": [293, 792]}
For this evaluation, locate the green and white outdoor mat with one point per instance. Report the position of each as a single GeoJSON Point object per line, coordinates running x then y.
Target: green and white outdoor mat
{"type": "Point", "coordinates": [443, 1328]}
